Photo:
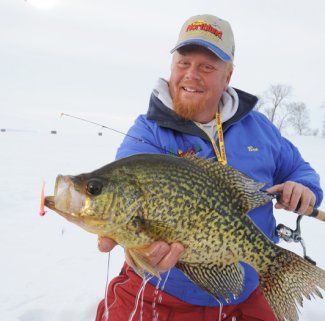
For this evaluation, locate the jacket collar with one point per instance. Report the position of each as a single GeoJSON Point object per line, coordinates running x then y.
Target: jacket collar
{"type": "Point", "coordinates": [167, 118]}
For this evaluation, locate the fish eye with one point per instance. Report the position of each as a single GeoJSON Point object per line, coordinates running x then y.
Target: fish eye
{"type": "Point", "coordinates": [94, 187]}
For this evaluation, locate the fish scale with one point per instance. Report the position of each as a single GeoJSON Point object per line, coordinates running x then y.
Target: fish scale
{"type": "Point", "coordinates": [200, 203]}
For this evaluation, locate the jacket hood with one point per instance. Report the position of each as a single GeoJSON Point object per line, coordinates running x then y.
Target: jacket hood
{"type": "Point", "coordinates": [166, 117]}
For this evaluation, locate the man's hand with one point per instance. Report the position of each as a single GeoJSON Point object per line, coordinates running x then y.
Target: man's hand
{"type": "Point", "coordinates": [159, 254]}
{"type": "Point", "coordinates": [105, 244]}
{"type": "Point", "coordinates": [291, 194]}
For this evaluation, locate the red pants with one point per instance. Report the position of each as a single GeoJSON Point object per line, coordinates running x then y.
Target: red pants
{"type": "Point", "coordinates": [159, 306]}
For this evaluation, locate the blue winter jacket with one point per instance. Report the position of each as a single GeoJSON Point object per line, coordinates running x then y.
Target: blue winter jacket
{"type": "Point", "coordinates": [253, 146]}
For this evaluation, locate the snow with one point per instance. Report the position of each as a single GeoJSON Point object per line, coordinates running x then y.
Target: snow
{"type": "Point", "coordinates": [51, 270]}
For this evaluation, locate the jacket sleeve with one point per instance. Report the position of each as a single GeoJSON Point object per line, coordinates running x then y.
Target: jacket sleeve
{"type": "Point", "coordinates": [140, 138]}
{"type": "Point", "coordinates": [292, 167]}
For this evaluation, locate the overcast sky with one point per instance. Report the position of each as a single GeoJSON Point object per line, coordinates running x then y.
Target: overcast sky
{"type": "Point", "coordinates": [100, 59]}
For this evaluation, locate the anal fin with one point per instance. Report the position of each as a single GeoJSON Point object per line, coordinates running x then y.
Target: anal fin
{"type": "Point", "coordinates": [222, 282]}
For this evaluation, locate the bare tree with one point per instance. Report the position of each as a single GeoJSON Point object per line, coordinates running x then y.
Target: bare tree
{"type": "Point", "coordinates": [276, 97]}
{"type": "Point", "coordinates": [285, 114]}
{"type": "Point", "coordinates": [273, 105]}
{"type": "Point", "coordinates": [299, 118]}
{"type": "Point", "coordinates": [283, 119]}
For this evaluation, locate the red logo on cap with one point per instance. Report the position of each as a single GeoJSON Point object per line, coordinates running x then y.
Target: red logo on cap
{"type": "Point", "coordinates": [204, 27]}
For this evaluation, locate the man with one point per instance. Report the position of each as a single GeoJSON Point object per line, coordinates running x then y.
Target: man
{"type": "Point", "coordinates": [184, 117]}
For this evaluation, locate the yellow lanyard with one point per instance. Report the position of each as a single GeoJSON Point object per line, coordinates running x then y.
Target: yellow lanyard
{"type": "Point", "coordinates": [221, 155]}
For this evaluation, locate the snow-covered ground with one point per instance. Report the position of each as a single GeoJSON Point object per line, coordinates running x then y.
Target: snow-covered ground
{"type": "Point", "coordinates": [51, 270]}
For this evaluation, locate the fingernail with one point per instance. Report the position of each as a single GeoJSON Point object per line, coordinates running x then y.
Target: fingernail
{"type": "Point", "coordinates": [178, 248]}
{"type": "Point", "coordinates": [163, 248]}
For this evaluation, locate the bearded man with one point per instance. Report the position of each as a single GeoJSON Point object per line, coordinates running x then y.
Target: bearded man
{"type": "Point", "coordinates": [197, 112]}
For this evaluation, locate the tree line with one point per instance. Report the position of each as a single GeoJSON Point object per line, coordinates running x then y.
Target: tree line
{"type": "Point", "coordinates": [286, 114]}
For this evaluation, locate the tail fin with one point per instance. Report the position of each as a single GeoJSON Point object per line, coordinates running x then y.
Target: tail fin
{"type": "Point", "coordinates": [287, 281]}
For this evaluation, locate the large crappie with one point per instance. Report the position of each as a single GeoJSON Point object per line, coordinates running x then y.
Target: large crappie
{"type": "Point", "coordinates": [201, 203]}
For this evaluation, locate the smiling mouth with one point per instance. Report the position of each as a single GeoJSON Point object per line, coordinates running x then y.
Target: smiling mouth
{"type": "Point", "coordinates": [192, 90]}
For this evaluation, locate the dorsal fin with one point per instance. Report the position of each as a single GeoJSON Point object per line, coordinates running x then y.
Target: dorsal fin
{"type": "Point", "coordinates": [244, 189]}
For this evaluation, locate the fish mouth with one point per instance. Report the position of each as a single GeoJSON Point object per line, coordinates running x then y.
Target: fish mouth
{"type": "Point", "coordinates": [93, 225]}
{"type": "Point", "coordinates": [49, 202]}
{"type": "Point", "coordinates": [68, 200]}
{"type": "Point", "coordinates": [71, 202]}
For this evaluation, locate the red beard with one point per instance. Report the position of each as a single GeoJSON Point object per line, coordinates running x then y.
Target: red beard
{"type": "Point", "coordinates": [187, 108]}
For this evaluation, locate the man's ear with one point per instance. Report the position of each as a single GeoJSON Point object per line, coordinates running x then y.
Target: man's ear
{"type": "Point", "coordinates": [228, 80]}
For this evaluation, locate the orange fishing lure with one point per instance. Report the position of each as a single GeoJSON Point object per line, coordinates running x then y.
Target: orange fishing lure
{"type": "Point", "coordinates": [42, 210]}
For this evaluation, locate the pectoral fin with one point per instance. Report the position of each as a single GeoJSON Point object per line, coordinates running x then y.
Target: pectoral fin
{"type": "Point", "coordinates": [220, 281]}
{"type": "Point", "coordinates": [140, 264]}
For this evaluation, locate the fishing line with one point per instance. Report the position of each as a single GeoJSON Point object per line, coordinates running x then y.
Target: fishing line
{"type": "Point", "coordinates": [220, 310]}
{"type": "Point", "coordinates": [158, 296]}
{"type": "Point", "coordinates": [165, 281]}
{"type": "Point", "coordinates": [311, 211]}
{"type": "Point", "coordinates": [142, 300]}
{"type": "Point", "coordinates": [106, 314]}
{"type": "Point", "coordinates": [140, 294]}
{"type": "Point", "coordinates": [107, 308]}
{"type": "Point", "coordinates": [153, 305]}
{"type": "Point", "coordinates": [140, 140]}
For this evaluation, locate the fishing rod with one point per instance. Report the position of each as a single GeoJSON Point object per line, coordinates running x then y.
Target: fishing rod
{"type": "Point", "coordinates": [289, 235]}
{"type": "Point", "coordinates": [282, 231]}
{"type": "Point", "coordinates": [311, 211]}
{"type": "Point", "coordinates": [140, 140]}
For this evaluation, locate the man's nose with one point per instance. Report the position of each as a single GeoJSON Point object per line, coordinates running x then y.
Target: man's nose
{"type": "Point", "coordinates": [192, 73]}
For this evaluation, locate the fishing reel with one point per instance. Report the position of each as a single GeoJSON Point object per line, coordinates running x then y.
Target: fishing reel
{"type": "Point", "coordinates": [289, 235]}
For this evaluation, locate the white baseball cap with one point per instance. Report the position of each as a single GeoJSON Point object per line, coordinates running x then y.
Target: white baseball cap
{"type": "Point", "coordinates": [210, 32]}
